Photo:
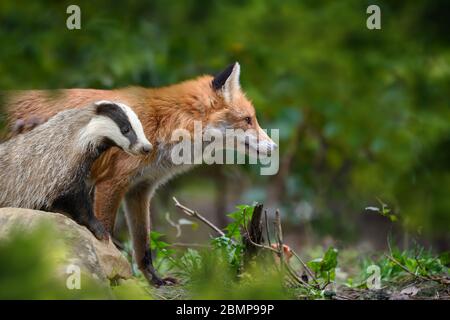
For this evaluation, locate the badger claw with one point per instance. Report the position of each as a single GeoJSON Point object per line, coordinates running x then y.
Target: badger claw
{"type": "Point", "coordinates": [97, 228]}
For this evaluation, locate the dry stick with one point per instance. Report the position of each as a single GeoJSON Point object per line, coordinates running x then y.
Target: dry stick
{"type": "Point", "coordinates": [267, 228]}
{"type": "Point", "coordinates": [195, 214]}
{"type": "Point", "coordinates": [279, 235]}
{"type": "Point", "coordinates": [296, 277]}
{"type": "Point", "coordinates": [280, 246]}
{"type": "Point", "coordinates": [189, 245]}
{"type": "Point", "coordinates": [308, 270]}
{"type": "Point", "coordinates": [292, 274]}
{"type": "Point", "coordinates": [259, 245]}
{"type": "Point", "coordinates": [288, 267]}
{"type": "Point", "coordinates": [278, 224]}
{"type": "Point", "coordinates": [250, 238]}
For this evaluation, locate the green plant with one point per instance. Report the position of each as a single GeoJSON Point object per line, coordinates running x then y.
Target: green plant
{"type": "Point", "coordinates": [324, 268]}
{"type": "Point", "coordinates": [418, 262]}
{"type": "Point", "coordinates": [160, 247]}
{"type": "Point", "coordinates": [231, 243]}
{"type": "Point", "coordinates": [383, 210]}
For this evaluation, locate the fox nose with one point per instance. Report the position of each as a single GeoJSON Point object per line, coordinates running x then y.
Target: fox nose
{"type": "Point", "coordinates": [271, 148]}
{"type": "Point", "coordinates": [146, 148]}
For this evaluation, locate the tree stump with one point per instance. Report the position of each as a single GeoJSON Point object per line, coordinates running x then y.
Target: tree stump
{"type": "Point", "coordinates": [255, 234]}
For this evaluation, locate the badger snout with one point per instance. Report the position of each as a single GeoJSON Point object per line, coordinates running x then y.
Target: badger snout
{"type": "Point", "coordinates": [140, 149]}
{"type": "Point", "coordinates": [146, 148]}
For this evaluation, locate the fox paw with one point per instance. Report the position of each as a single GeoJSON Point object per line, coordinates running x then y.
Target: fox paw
{"type": "Point", "coordinates": [167, 281]}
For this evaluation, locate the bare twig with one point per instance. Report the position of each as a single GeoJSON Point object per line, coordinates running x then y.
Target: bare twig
{"type": "Point", "coordinates": [267, 228]}
{"type": "Point", "coordinates": [307, 269]}
{"type": "Point", "coordinates": [298, 279]}
{"type": "Point", "coordinates": [195, 214]}
{"type": "Point", "coordinates": [280, 253]}
{"type": "Point", "coordinates": [173, 224]}
{"type": "Point", "coordinates": [279, 236]}
{"type": "Point", "coordinates": [254, 243]}
{"type": "Point", "coordinates": [189, 245]}
{"type": "Point", "coordinates": [278, 224]}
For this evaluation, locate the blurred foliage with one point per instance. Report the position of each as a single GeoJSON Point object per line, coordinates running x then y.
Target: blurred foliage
{"type": "Point", "coordinates": [32, 268]}
{"type": "Point", "coordinates": [418, 261]}
{"type": "Point", "coordinates": [215, 278]}
{"type": "Point", "coordinates": [362, 114]}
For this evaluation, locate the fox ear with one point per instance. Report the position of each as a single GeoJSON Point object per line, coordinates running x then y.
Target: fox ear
{"type": "Point", "coordinates": [227, 82]}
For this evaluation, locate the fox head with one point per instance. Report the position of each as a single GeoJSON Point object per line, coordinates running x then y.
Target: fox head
{"type": "Point", "coordinates": [231, 109]}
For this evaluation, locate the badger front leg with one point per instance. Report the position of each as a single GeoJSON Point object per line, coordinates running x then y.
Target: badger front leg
{"type": "Point", "coordinates": [79, 205]}
{"type": "Point", "coordinates": [137, 212]}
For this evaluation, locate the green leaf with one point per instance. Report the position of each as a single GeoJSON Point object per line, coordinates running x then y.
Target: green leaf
{"type": "Point", "coordinates": [330, 259]}
{"type": "Point", "coordinates": [324, 268]}
{"type": "Point", "coordinates": [315, 264]}
{"type": "Point", "coordinates": [233, 230]}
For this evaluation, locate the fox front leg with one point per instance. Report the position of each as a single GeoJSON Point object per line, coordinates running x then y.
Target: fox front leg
{"type": "Point", "coordinates": [137, 204]}
{"type": "Point", "coordinates": [150, 273]}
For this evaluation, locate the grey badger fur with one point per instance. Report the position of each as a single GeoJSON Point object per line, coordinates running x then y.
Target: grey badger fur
{"type": "Point", "coordinates": [48, 168]}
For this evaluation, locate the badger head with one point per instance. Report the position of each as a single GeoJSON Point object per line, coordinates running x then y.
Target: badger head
{"type": "Point", "coordinates": [118, 125]}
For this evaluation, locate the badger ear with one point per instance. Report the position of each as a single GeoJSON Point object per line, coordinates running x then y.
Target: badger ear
{"type": "Point", "coordinates": [103, 106]}
{"type": "Point", "coordinates": [227, 82]}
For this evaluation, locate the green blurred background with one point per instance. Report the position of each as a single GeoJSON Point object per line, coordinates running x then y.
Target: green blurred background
{"type": "Point", "coordinates": [363, 114]}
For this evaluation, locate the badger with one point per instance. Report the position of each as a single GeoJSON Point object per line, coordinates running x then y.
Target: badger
{"type": "Point", "coordinates": [49, 167]}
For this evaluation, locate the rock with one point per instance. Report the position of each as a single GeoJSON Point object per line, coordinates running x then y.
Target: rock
{"type": "Point", "coordinates": [100, 259]}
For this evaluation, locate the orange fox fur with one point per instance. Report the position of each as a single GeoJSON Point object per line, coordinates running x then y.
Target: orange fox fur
{"type": "Point", "coordinates": [117, 175]}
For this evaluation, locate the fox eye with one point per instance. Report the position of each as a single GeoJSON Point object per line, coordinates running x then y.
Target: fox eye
{"type": "Point", "coordinates": [125, 130]}
{"type": "Point", "coordinates": [248, 120]}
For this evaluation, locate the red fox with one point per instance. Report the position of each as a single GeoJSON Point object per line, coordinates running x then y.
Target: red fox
{"type": "Point", "coordinates": [218, 102]}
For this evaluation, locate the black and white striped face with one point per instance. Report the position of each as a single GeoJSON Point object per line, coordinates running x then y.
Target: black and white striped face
{"type": "Point", "coordinates": [120, 125]}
